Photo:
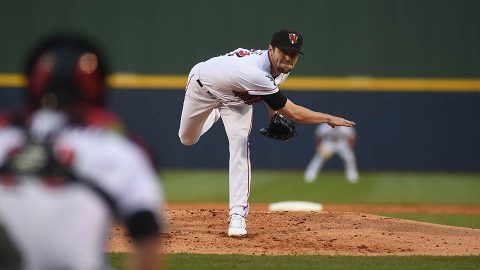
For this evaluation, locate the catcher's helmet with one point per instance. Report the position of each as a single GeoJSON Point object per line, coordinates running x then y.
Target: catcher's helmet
{"type": "Point", "coordinates": [65, 70]}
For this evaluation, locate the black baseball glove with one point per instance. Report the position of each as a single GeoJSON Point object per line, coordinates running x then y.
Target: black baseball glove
{"type": "Point", "coordinates": [279, 128]}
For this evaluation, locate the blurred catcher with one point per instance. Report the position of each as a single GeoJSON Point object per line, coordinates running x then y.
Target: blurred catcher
{"type": "Point", "coordinates": [330, 141]}
{"type": "Point", "coordinates": [66, 171]}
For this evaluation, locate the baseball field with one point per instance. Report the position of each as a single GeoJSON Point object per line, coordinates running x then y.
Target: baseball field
{"type": "Point", "coordinates": [386, 221]}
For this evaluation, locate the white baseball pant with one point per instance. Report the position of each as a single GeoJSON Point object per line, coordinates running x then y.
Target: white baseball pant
{"type": "Point", "coordinates": [200, 111]}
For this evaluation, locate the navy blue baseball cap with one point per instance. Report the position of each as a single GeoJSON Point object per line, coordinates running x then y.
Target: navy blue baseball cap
{"type": "Point", "coordinates": [287, 40]}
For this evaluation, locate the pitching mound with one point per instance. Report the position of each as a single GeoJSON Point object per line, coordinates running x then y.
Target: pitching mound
{"type": "Point", "coordinates": [302, 233]}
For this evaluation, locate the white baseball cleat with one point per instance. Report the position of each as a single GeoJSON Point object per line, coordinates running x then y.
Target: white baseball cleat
{"type": "Point", "coordinates": [310, 177]}
{"type": "Point", "coordinates": [352, 177]}
{"type": "Point", "coordinates": [238, 226]}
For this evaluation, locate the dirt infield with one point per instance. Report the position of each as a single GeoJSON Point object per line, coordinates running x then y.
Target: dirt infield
{"type": "Point", "coordinates": [202, 229]}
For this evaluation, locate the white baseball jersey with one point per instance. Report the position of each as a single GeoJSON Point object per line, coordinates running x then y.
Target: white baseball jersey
{"type": "Point", "coordinates": [66, 226]}
{"type": "Point", "coordinates": [243, 70]}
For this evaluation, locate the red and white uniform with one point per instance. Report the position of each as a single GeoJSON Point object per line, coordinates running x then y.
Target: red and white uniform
{"type": "Point", "coordinates": [66, 226]}
{"type": "Point", "coordinates": [210, 95]}
{"type": "Point", "coordinates": [329, 141]}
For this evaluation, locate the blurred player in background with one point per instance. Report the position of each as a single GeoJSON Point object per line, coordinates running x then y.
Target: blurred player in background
{"type": "Point", "coordinates": [330, 141]}
{"type": "Point", "coordinates": [66, 170]}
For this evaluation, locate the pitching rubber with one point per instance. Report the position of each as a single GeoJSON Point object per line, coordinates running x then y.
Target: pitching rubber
{"type": "Point", "coordinates": [295, 206]}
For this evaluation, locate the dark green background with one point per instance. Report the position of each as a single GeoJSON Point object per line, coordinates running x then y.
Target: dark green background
{"type": "Point", "coordinates": [399, 38]}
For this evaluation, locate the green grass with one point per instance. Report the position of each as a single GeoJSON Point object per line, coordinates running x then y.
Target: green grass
{"type": "Point", "coordinates": [221, 262]}
{"type": "Point", "coordinates": [330, 187]}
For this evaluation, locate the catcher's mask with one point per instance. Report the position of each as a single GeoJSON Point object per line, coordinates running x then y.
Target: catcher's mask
{"type": "Point", "coordinates": [65, 70]}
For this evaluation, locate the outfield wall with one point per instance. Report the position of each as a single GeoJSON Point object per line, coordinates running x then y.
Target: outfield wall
{"type": "Point", "coordinates": [396, 131]}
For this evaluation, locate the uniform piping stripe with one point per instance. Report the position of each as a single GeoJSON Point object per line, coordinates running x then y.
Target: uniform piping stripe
{"type": "Point", "coordinates": [248, 159]}
{"type": "Point", "coordinates": [188, 83]}
{"type": "Point", "coordinates": [303, 83]}
{"type": "Point", "coordinates": [263, 90]}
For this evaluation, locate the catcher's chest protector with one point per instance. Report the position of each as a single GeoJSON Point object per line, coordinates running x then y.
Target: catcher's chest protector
{"type": "Point", "coordinates": [38, 159]}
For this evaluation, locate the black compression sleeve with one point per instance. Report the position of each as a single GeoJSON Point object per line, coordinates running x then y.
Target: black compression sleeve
{"type": "Point", "coordinates": [142, 224]}
{"type": "Point", "coordinates": [275, 101]}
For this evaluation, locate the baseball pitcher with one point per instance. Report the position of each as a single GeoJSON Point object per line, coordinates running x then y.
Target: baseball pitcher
{"type": "Point", "coordinates": [226, 87]}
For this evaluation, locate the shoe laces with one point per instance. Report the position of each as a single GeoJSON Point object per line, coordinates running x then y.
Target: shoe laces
{"type": "Point", "coordinates": [238, 221]}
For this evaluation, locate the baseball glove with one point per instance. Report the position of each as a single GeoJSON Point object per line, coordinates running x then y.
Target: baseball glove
{"type": "Point", "coordinates": [279, 128]}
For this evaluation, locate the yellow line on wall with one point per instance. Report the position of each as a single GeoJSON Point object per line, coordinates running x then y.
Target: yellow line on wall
{"type": "Point", "coordinates": [304, 83]}
{"type": "Point", "coordinates": [383, 84]}
{"type": "Point", "coordinates": [147, 81]}
{"type": "Point", "coordinates": [12, 80]}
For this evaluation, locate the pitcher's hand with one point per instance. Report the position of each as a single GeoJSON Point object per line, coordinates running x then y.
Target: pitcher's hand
{"type": "Point", "coordinates": [338, 121]}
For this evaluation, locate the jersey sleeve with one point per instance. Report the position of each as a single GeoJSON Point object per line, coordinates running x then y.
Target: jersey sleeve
{"type": "Point", "coordinates": [281, 78]}
{"type": "Point", "coordinates": [255, 82]}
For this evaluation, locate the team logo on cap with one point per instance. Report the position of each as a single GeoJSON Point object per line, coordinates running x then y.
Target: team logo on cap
{"type": "Point", "coordinates": [293, 38]}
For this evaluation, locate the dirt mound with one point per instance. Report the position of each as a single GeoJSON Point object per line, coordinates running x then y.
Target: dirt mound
{"type": "Point", "coordinates": [301, 233]}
